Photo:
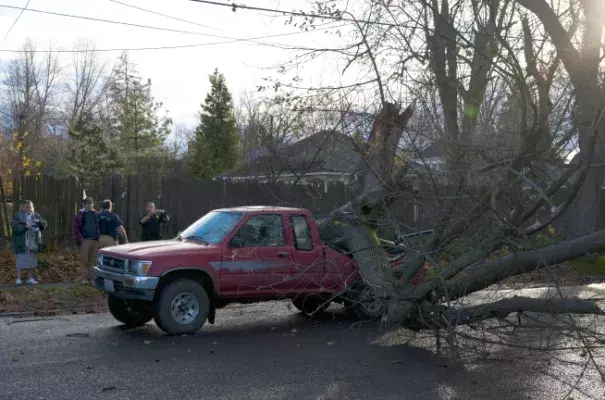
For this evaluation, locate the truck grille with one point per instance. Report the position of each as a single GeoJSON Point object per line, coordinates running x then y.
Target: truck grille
{"type": "Point", "coordinates": [113, 263]}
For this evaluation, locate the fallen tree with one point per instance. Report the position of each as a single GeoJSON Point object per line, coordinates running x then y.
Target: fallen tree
{"type": "Point", "coordinates": [429, 304]}
{"type": "Point", "coordinates": [506, 88]}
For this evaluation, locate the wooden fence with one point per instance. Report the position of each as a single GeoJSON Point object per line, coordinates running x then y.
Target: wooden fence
{"type": "Point", "coordinates": [57, 200]}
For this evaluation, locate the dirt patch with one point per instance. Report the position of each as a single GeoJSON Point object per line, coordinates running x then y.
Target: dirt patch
{"type": "Point", "coordinates": [54, 266]}
{"type": "Point", "coordinates": [76, 299]}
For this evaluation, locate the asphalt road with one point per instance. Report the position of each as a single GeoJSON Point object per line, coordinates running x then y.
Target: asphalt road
{"type": "Point", "coordinates": [262, 351]}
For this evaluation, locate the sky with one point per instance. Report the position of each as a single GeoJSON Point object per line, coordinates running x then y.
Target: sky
{"type": "Point", "coordinates": [179, 76]}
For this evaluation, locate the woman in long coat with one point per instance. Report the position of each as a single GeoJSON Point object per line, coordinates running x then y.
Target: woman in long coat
{"type": "Point", "coordinates": [27, 227]}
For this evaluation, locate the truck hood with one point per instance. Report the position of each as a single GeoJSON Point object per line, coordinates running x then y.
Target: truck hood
{"type": "Point", "coordinates": [144, 250]}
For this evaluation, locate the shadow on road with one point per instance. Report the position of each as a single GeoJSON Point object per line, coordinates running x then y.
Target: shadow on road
{"type": "Point", "coordinates": [282, 354]}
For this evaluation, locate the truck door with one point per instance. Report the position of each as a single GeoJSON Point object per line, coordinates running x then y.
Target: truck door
{"type": "Point", "coordinates": [260, 261]}
{"type": "Point", "coordinates": [307, 257]}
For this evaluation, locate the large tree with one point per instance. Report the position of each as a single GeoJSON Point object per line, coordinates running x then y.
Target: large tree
{"type": "Point", "coordinates": [94, 153]}
{"type": "Point", "coordinates": [138, 128]}
{"type": "Point", "coordinates": [29, 94]}
{"type": "Point", "coordinates": [215, 146]}
{"type": "Point", "coordinates": [488, 209]}
{"type": "Point", "coordinates": [92, 156]}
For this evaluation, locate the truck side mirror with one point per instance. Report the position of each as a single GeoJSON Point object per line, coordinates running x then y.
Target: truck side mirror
{"type": "Point", "coordinates": [237, 243]}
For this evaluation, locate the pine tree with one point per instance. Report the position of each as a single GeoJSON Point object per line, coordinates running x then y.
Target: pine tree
{"type": "Point", "coordinates": [138, 129]}
{"type": "Point", "coordinates": [92, 157]}
{"type": "Point", "coordinates": [215, 147]}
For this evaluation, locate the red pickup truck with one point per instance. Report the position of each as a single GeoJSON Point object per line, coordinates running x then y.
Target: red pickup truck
{"type": "Point", "coordinates": [245, 254]}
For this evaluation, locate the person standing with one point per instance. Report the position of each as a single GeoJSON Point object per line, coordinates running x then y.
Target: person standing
{"type": "Point", "coordinates": [110, 226]}
{"type": "Point", "coordinates": [151, 222]}
{"type": "Point", "coordinates": [86, 233]}
{"type": "Point", "coordinates": [27, 227]}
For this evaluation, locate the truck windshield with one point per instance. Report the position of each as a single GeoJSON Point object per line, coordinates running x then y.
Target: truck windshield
{"type": "Point", "coordinates": [212, 227]}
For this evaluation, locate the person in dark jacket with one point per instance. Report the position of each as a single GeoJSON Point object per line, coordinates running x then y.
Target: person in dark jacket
{"type": "Point", "coordinates": [86, 233]}
{"type": "Point", "coordinates": [110, 226]}
{"type": "Point", "coordinates": [27, 227]}
{"type": "Point", "coordinates": [152, 222]}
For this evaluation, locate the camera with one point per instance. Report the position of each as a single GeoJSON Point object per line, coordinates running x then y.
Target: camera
{"type": "Point", "coordinates": [162, 214]}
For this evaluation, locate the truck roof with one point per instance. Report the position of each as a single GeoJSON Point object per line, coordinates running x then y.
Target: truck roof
{"type": "Point", "coordinates": [265, 209]}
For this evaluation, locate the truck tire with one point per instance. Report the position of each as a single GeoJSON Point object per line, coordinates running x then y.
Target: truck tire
{"type": "Point", "coordinates": [129, 314]}
{"type": "Point", "coordinates": [310, 305]}
{"type": "Point", "coordinates": [182, 307]}
{"type": "Point", "coordinates": [361, 303]}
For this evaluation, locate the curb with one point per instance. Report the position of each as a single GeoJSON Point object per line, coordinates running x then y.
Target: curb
{"type": "Point", "coordinates": [42, 286]}
{"type": "Point", "coordinates": [22, 314]}
{"type": "Point", "coordinates": [48, 313]}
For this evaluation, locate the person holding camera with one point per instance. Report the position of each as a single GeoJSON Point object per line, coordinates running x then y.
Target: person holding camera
{"type": "Point", "coordinates": [151, 222]}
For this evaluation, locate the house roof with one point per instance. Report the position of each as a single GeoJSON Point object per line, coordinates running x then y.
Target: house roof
{"type": "Point", "coordinates": [325, 151]}
{"type": "Point", "coordinates": [433, 150]}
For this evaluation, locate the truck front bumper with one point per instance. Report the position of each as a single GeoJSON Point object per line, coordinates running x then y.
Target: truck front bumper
{"type": "Point", "coordinates": [124, 286]}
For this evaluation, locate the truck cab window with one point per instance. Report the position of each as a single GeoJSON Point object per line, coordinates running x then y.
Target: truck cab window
{"type": "Point", "coordinates": [262, 231]}
{"type": "Point", "coordinates": [301, 232]}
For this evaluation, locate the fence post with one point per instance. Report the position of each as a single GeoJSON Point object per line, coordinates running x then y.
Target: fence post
{"type": "Point", "coordinates": [7, 217]}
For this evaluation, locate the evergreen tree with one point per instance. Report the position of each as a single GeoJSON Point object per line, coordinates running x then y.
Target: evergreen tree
{"type": "Point", "coordinates": [138, 129]}
{"type": "Point", "coordinates": [92, 157]}
{"type": "Point", "coordinates": [215, 147]}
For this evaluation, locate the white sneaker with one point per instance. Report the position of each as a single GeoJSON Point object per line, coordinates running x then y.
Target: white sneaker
{"type": "Point", "coordinates": [31, 281]}
{"type": "Point", "coordinates": [18, 281]}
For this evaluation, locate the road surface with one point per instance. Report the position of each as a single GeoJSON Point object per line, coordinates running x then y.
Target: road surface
{"type": "Point", "coordinates": [262, 351]}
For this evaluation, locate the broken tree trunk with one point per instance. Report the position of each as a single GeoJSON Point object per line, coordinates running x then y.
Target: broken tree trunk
{"type": "Point", "coordinates": [352, 224]}
{"type": "Point", "coordinates": [418, 307]}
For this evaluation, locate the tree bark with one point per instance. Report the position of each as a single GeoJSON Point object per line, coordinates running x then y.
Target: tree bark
{"type": "Point", "coordinates": [492, 272]}
{"type": "Point", "coordinates": [352, 223]}
{"type": "Point", "coordinates": [444, 318]}
{"type": "Point", "coordinates": [583, 67]}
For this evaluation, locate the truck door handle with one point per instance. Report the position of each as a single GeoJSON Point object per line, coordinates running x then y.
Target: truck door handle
{"type": "Point", "coordinates": [282, 254]}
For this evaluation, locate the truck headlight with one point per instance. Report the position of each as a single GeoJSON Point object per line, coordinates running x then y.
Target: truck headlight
{"type": "Point", "coordinates": [139, 267]}
{"type": "Point", "coordinates": [100, 260]}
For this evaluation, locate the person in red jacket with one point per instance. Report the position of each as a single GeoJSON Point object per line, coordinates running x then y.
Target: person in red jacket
{"type": "Point", "coordinates": [86, 233]}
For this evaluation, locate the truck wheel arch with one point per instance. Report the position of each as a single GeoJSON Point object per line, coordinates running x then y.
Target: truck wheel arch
{"type": "Point", "coordinates": [198, 275]}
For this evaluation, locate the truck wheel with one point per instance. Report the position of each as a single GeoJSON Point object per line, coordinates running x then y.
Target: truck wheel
{"type": "Point", "coordinates": [182, 307]}
{"type": "Point", "coordinates": [130, 315]}
{"type": "Point", "coordinates": [362, 304]}
{"type": "Point", "coordinates": [310, 305]}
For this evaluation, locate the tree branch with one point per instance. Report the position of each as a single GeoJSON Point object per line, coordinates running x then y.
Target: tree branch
{"type": "Point", "coordinates": [569, 54]}
{"type": "Point", "coordinates": [503, 308]}
{"type": "Point", "coordinates": [519, 263]}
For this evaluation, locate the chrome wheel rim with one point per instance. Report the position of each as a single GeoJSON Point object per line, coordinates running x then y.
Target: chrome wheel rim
{"type": "Point", "coordinates": [185, 308]}
{"type": "Point", "coordinates": [369, 303]}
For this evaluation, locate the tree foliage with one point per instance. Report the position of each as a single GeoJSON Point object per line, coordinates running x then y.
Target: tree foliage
{"type": "Point", "coordinates": [137, 128]}
{"type": "Point", "coordinates": [93, 156]}
{"type": "Point", "coordinates": [216, 144]}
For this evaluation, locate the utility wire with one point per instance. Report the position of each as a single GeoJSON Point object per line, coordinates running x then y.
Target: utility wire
{"type": "Point", "coordinates": [234, 7]}
{"type": "Point", "coordinates": [166, 16]}
{"type": "Point", "coordinates": [111, 21]}
{"type": "Point", "coordinates": [229, 39]}
{"type": "Point", "coordinates": [184, 46]}
{"type": "Point", "coordinates": [15, 22]}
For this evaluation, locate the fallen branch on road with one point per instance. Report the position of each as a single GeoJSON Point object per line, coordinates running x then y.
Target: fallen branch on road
{"type": "Point", "coordinates": [433, 316]}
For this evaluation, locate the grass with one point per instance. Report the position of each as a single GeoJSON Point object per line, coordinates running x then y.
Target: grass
{"type": "Point", "coordinates": [594, 266]}
{"type": "Point", "coordinates": [54, 266]}
{"type": "Point", "coordinates": [79, 298]}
